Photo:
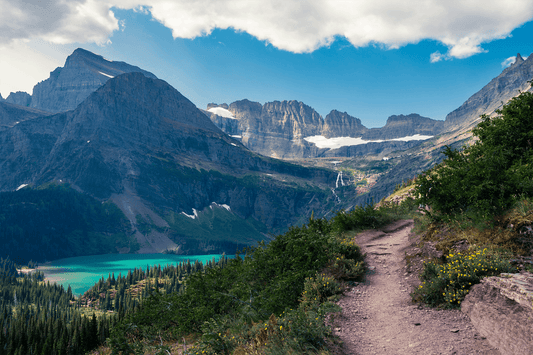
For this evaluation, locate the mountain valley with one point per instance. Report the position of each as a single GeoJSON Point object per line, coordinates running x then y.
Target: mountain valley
{"type": "Point", "coordinates": [193, 181]}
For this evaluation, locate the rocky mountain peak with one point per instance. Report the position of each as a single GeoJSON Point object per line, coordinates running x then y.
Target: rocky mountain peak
{"type": "Point", "coordinates": [19, 98]}
{"type": "Point", "coordinates": [213, 105]}
{"type": "Point", "coordinates": [137, 104]}
{"type": "Point", "coordinates": [505, 86]}
{"type": "Point", "coordinates": [341, 124]}
{"type": "Point", "coordinates": [84, 72]}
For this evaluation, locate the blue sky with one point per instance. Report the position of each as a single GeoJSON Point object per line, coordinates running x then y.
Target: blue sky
{"type": "Point", "coordinates": [323, 58]}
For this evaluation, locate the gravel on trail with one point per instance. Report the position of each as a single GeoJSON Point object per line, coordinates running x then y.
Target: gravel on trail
{"type": "Point", "coordinates": [378, 316]}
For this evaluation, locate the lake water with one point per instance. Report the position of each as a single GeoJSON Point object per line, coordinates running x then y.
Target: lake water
{"type": "Point", "coordinates": [84, 271]}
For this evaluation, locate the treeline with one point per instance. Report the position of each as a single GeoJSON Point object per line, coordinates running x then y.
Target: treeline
{"type": "Point", "coordinates": [55, 221]}
{"type": "Point", "coordinates": [123, 294]}
{"type": "Point", "coordinates": [43, 318]}
{"type": "Point", "coordinates": [272, 298]}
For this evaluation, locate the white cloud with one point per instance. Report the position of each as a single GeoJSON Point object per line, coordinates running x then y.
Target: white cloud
{"type": "Point", "coordinates": [296, 26]}
{"type": "Point", "coordinates": [22, 66]}
{"type": "Point", "coordinates": [303, 26]}
{"type": "Point", "coordinates": [508, 61]}
{"type": "Point", "coordinates": [436, 57]}
{"type": "Point", "coordinates": [56, 21]}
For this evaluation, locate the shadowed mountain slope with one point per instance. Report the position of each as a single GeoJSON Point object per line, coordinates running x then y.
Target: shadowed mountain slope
{"type": "Point", "coordinates": [140, 143]}
{"type": "Point", "coordinates": [83, 73]}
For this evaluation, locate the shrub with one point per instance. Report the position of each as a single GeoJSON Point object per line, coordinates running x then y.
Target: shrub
{"type": "Point", "coordinates": [447, 284]}
{"type": "Point", "coordinates": [485, 178]}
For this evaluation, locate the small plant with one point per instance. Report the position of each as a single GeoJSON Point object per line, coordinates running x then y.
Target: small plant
{"type": "Point", "coordinates": [319, 289]}
{"type": "Point", "coordinates": [447, 284]}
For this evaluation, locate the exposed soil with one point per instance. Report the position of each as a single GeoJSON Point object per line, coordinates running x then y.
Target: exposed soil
{"type": "Point", "coordinates": [378, 316]}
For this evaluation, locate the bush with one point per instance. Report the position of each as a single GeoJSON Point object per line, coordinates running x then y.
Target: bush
{"type": "Point", "coordinates": [485, 178]}
{"type": "Point", "coordinates": [447, 284]}
{"type": "Point", "coordinates": [274, 299]}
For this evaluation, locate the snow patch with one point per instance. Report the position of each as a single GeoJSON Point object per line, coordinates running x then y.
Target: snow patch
{"type": "Point", "coordinates": [192, 216]}
{"type": "Point", "coordinates": [109, 76]}
{"type": "Point", "coordinates": [239, 137]}
{"type": "Point", "coordinates": [222, 112]}
{"type": "Point", "coordinates": [221, 206]}
{"type": "Point", "coordinates": [21, 187]}
{"type": "Point", "coordinates": [338, 142]}
{"type": "Point", "coordinates": [234, 144]}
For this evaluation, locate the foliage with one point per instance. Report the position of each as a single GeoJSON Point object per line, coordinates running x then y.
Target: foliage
{"type": "Point", "coordinates": [43, 318]}
{"type": "Point", "coordinates": [55, 221]}
{"type": "Point", "coordinates": [484, 179]}
{"type": "Point", "coordinates": [446, 284]}
{"type": "Point", "coordinates": [273, 297]}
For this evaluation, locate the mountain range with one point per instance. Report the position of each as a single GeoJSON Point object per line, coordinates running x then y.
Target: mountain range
{"type": "Point", "coordinates": [187, 179]}
{"type": "Point", "coordinates": [287, 129]}
{"type": "Point", "coordinates": [178, 179]}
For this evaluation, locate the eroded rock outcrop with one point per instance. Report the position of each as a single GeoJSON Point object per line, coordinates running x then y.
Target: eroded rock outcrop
{"type": "Point", "coordinates": [278, 129]}
{"type": "Point", "coordinates": [84, 72]}
{"type": "Point", "coordinates": [500, 89]}
{"type": "Point", "coordinates": [20, 98]}
{"type": "Point", "coordinates": [501, 309]}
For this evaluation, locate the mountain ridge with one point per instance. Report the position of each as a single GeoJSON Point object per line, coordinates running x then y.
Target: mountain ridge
{"type": "Point", "coordinates": [139, 142]}
{"type": "Point", "coordinates": [279, 129]}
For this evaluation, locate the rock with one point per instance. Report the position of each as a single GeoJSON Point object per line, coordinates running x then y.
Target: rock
{"type": "Point", "coordinates": [505, 322]}
{"type": "Point", "coordinates": [138, 141]}
{"type": "Point", "coordinates": [505, 86]}
{"type": "Point", "coordinates": [20, 98]}
{"type": "Point", "coordinates": [84, 72]}
{"type": "Point", "coordinates": [398, 126]}
{"type": "Point", "coordinates": [278, 129]}
{"type": "Point", "coordinates": [12, 114]}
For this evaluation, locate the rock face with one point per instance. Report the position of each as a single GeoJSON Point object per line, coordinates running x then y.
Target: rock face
{"type": "Point", "coordinates": [501, 310]}
{"type": "Point", "coordinates": [500, 89]}
{"type": "Point", "coordinates": [11, 114]}
{"type": "Point", "coordinates": [139, 142]}
{"type": "Point", "coordinates": [398, 126]}
{"type": "Point", "coordinates": [278, 129]}
{"type": "Point", "coordinates": [19, 98]}
{"type": "Point", "coordinates": [84, 72]}
{"type": "Point", "coordinates": [341, 124]}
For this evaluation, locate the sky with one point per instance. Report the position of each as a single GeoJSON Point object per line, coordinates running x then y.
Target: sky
{"type": "Point", "coordinates": [369, 58]}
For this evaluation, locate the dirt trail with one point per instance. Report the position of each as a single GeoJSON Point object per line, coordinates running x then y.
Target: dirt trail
{"type": "Point", "coordinates": [378, 316]}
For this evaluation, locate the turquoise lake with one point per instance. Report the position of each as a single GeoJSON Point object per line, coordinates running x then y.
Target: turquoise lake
{"type": "Point", "coordinates": [84, 271]}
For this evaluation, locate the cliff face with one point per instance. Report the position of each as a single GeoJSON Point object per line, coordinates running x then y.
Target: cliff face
{"type": "Point", "coordinates": [278, 129]}
{"type": "Point", "coordinates": [11, 114]}
{"type": "Point", "coordinates": [500, 89]}
{"type": "Point", "coordinates": [399, 126]}
{"type": "Point", "coordinates": [139, 142]}
{"type": "Point", "coordinates": [84, 72]}
{"type": "Point", "coordinates": [19, 98]}
{"type": "Point", "coordinates": [341, 124]}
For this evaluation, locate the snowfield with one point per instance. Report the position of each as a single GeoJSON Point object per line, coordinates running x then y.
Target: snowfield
{"type": "Point", "coordinates": [338, 142]}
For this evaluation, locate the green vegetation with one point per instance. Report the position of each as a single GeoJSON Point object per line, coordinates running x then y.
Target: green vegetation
{"type": "Point", "coordinates": [486, 178]}
{"type": "Point", "coordinates": [481, 196]}
{"type": "Point", "coordinates": [43, 318]}
{"type": "Point", "coordinates": [219, 224]}
{"type": "Point", "coordinates": [272, 299]}
{"type": "Point", "coordinates": [55, 221]}
{"type": "Point", "coordinates": [446, 284]}
{"type": "Point", "coordinates": [39, 318]}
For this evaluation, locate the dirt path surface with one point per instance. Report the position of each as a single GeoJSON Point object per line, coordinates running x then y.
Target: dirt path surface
{"type": "Point", "coordinates": [378, 316]}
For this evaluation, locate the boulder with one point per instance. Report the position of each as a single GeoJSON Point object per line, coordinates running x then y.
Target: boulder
{"type": "Point", "coordinates": [501, 309]}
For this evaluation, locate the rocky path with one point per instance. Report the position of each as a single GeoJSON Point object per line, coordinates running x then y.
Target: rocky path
{"type": "Point", "coordinates": [378, 316]}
